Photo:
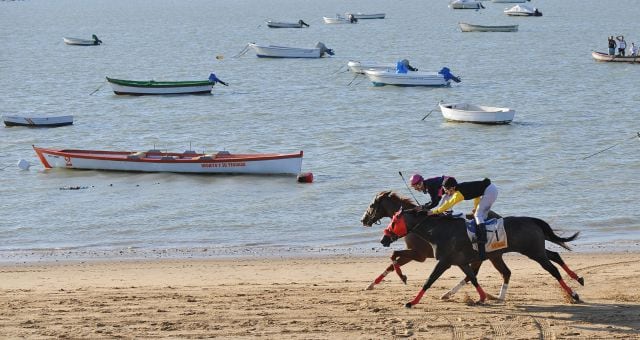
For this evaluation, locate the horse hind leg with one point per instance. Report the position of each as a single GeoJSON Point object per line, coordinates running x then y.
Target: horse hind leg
{"type": "Point", "coordinates": [548, 266]}
{"type": "Point", "coordinates": [555, 257]}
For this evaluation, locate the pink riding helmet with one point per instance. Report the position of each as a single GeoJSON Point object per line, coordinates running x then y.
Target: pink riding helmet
{"type": "Point", "coordinates": [415, 179]}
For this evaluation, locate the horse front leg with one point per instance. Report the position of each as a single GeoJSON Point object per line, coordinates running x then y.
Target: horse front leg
{"type": "Point", "coordinates": [395, 265]}
{"type": "Point", "coordinates": [402, 257]}
{"type": "Point", "coordinates": [476, 268]}
{"type": "Point", "coordinates": [467, 270]}
{"type": "Point", "coordinates": [439, 269]}
{"type": "Point", "coordinates": [555, 257]}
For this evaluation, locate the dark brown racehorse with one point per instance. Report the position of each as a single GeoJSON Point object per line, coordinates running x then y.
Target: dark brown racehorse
{"type": "Point", "coordinates": [386, 203]}
{"type": "Point", "coordinates": [448, 235]}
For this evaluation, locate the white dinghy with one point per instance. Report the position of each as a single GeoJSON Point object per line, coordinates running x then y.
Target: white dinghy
{"type": "Point", "coordinates": [464, 112]}
{"type": "Point", "coordinates": [466, 4]}
{"type": "Point", "coordinates": [339, 19]}
{"type": "Point", "coordinates": [280, 24]}
{"type": "Point", "coordinates": [413, 78]}
{"type": "Point", "coordinates": [272, 51]}
{"type": "Point", "coordinates": [523, 11]}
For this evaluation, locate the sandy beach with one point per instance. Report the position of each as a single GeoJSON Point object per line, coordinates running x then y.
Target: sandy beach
{"type": "Point", "coordinates": [313, 298]}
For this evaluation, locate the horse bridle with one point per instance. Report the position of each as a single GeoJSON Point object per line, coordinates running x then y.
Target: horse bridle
{"type": "Point", "coordinates": [374, 211]}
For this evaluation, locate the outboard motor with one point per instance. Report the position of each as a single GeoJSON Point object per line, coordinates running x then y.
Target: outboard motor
{"type": "Point", "coordinates": [446, 73]}
{"type": "Point", "coordinates": [352, 19]}
{"type": "Point", "coordinates": [302, 23]}
{"type": "Point", "coordinates": [324, 49]}
{"type": "Point", "coordinates": [96, 41]}
{"type": "Point", "coordinates": [536, 13]}
{"type": "Point", "coordinates": [214, 79]}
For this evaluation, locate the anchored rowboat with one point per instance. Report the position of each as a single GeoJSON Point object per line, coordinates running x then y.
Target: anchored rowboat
{"type": "Point", "coordinates": [151, 87]}
{"type": "Point", "coordinates": [221, 162]}
{"type": "Point", "coordinates": [271, 51]}
{"type": "Point", "coordinates": [465, 27]}
{"type": "Point", "coordinates": [463, 112]}
{"type": "Point", "coordinates": [82, 42]}
{"type": "Point", "coordinates": [366, 16]}
{"type": "Point", "coordinates": [599, 56]}
{"type": "Point", "coordinates": [37, 121]}
{"type": "Point", "coordinates": [466, 4]}
{"type": "Point", "coordinates": [276, 24]}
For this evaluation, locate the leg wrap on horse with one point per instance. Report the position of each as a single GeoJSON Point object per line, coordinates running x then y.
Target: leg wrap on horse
{"type": "Point", "coordinates": [481, 236]}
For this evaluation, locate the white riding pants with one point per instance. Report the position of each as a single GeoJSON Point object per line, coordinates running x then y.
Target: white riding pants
{"type": "Point", "coordinates": [486, 201]}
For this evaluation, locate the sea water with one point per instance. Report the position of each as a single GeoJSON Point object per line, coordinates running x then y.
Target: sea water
{"type": "Point", "coordinates": [356, 137]}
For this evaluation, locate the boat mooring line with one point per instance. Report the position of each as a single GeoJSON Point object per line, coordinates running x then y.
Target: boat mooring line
{"type": "Point", "coordinates": [614, 145]}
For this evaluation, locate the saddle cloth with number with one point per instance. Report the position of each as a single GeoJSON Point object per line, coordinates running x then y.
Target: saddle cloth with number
{"type": "Point", "coordinates": [496, 236]}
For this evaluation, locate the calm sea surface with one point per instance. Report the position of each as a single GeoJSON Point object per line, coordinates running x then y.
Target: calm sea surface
{"type": "Point", "coordinates": [355, 137]}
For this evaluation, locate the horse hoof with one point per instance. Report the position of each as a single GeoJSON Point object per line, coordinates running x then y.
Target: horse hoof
{"type": "Point", "coordinates": [581, 281]}
{"type": "Point", "coordinates": [408, 305]}
{"type": "Point", "coordinates": [370, 287]}
{"type": "Point", "coordinates": [404, 279]}
{"type": "Point", "coordinates": [446, 296]}
{"type": "Point", "coordinates": [576, 297]}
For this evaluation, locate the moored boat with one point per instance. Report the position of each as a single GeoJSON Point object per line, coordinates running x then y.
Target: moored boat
{"type": "Point", "coordinates": [523, 11]}
{"type": "Point", "coordinates": [465, 4]}
{"type": "Point", "coordinates": [53, 121]}
{"type": "Point", "coordinates": [416, 78]}
{"type": "Point", "coordinates": [152, 87]}
{"type": "Point", "coordinates": [339, 19]}
{"type": "Point", "coordinates": [277, 24]}
{"type": "Point", "coordinates": [600, 56]}
{"type": "Point", "coordinates": [463, 112]}
{"type": "Point", "coordinates": [466, 27]}
{"type": "Point", "coordinates": [361, 66]}
{"type": "Point", "coordinates": [82, 42]}
{"type": "Point", "coordinates": [221, 162]}
{"type": "Point", "coordinates": [510, 1]}
{"type": "Point", "coordinates": [272, 51]}
{"type": "Point", "coordinates": [366, 16]}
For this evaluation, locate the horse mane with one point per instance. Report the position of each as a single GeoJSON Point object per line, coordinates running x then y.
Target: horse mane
{"type": "Point", "coordinates": [404, 201]}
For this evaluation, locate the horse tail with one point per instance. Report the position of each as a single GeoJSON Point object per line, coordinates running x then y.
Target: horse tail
{"type": "Point", "coordinates": [551, 236]}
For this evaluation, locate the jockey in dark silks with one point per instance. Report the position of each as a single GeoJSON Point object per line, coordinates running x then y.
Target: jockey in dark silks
{"type": "Point", "coordinates": [483, 193]}
{"type": "Point", "coordinates": [431, 186]}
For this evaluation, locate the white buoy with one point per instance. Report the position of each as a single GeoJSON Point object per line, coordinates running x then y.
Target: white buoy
{"type": "Point", "coordinates": [24, 164]}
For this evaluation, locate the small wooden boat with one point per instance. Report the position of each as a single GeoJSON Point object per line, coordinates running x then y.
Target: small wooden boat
{"type": "Point", "coordinates": [221, 162]}
{"type": "Point", "coordinates": [463, 112]}
{"type": "Point", "coordinates": [361, 66]}
{"type": "Point", "coordinates": [152, 87]}
{"type": "Point", "coordinates": [276, 24]}
{"type": "Point", "coordinates": [54, 121]}
{"type": "Point", "coordinates": [417, 78]}
{"type": "Point", "coordinates": [600, 56]}
{"type": "Point", "coordinates": [82, 42]}
{"type": "Point", "coordinates": [465, 4]}
{"type": "Point", "coordinates": [466, 27]}
{"type": "Point", "coordinates": [271, 51]}
{"type": "Point", "coordinates": [510, 1]}
{"type": "Point", "coordinates": [523, 11]}
{"type": "Point", "coordinates": [366, 16]}
{"type": "Point", "coordinates": [339, 19]}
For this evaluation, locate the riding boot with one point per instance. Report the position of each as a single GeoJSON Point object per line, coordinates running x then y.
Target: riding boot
{"type": "Point", "coordinates": [481, 236]}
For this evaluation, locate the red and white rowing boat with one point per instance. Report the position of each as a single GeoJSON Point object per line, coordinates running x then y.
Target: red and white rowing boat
{"type": "Point", "coordinates": [221, 162]}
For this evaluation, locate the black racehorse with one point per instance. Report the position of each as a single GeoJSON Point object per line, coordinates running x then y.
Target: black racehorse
{"type": "Point", "coordinates": [386, 203]}
{"type": "Point", "coordinates": [448, 236]}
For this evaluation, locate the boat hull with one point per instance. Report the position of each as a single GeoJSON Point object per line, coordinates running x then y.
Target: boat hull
{"type": "Point", "coordinates": [466, 5]}
{"type": "Point", "coordinates": [361, 66]}
{"type": "Point", "coordinates": [337, 20]}
{"type": "Point", "coordinates": [156, 161]}
{"type": "Point", "coordinates": [599, 56]}
{"type": "Point", "coordinates": [140, 88]}
{"type": "Point", "coordinates": [285, 52]}
{"type": "Point", "coordinates": [466, 27]}
{"type": "Point", "coordinates": [418, 78]}
{"type": "Point", "coordinates": [275, 24]}
{"type": "Point", "coordinates": [37, 121]}
{"type": "Point", "coordinates": [366, 16]}
{"type": "Point", "coordinates": [80, 42]}
{"type": "Point", "coordinates": [468, 113]}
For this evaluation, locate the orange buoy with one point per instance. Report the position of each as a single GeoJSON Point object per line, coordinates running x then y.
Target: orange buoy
{"type": "Point", "coordinates": [305, 177]}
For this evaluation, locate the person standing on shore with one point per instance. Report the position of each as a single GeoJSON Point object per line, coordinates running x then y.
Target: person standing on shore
{"type": "Point", "coordinates": [634, 50]}
{"type": "Point", "coordinates": [612, 46]}
{"type": "Point", "coordinates": [622, 45]}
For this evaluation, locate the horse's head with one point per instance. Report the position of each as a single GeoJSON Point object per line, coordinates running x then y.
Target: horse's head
{"type": "Point", "coordinates": [384, 204]}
